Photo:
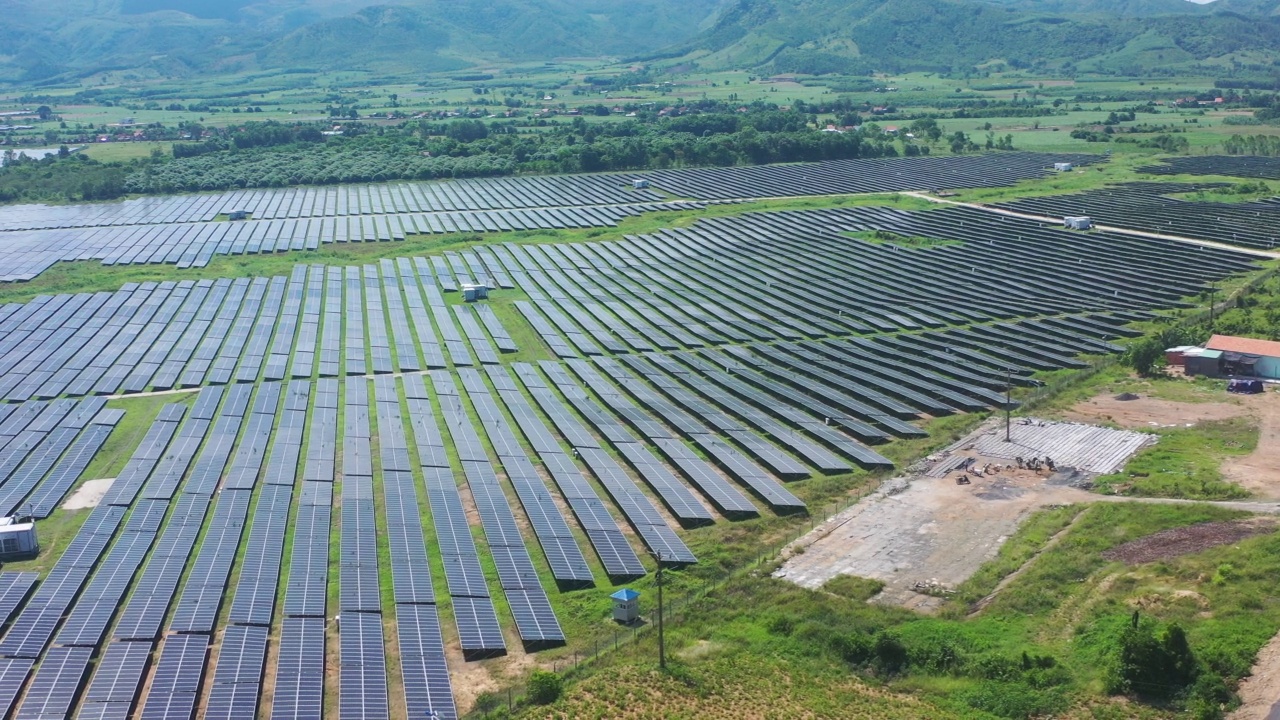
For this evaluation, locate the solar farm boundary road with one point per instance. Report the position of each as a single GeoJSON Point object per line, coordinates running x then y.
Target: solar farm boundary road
{"type": "Point", "coordinates": [1270, 255]}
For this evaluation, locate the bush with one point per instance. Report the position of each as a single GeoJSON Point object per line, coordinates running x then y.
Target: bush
{"type": "Point", "coordinates": [854, 648]}
{"type": "Point", "coordinates": [1015, 700]}
{"type": "Point", "coordinates": [889, 654]}
{"type": "Point", "coordinates": [853, 587]}
{"type": "Point", "coordinates": [544, 687]}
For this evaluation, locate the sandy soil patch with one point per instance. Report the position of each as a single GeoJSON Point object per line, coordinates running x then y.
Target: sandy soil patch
{"type": "Point", "coordinates": [472, 679]}
{"type": "Point", "coordinates": [1149, 412]}
{"type": "Point", "coordinates": [1186, 540]}
{"type": "Point", "coordinates": [1259, 471]}
{"type": "Point", "coordinates": [88, 495]}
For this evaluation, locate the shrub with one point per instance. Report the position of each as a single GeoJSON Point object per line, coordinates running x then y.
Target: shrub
{"type": "Point", "coordinates": [1015, 700]}
{"type": "Point", "coordinates": [544, 687]}
{"type": "Point", "coordinates": [854, 648]}
{"type": "Point", "coordinates": [889, 654]}
{"type": "Point", "coordinates": [1152, 661]}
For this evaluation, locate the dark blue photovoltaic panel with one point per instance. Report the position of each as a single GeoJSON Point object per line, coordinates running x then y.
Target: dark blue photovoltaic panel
{"type": "Point", "coordinates": [362, 678]}
{"type": "Point", "coordinates": [119, 673]}
{"type": "Point", "coordinates": [13, 673]}
{"type": "Point", "coordinates": [299, 688]}
{"type": "Point", "coordinates": [55, 684]}
{"type": "Point", "coordinates": [427, 690]}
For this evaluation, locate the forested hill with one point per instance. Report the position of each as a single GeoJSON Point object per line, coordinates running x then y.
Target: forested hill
{"type": "Point", "coordinates": [858, 36]}
{"type": "Point", "coordinates": [70, 39]}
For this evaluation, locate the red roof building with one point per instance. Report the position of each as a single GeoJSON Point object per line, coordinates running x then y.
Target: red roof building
{"type": "Point", "coordinates": [1248, 346]}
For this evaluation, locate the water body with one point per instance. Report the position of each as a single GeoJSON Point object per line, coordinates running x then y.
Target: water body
{"type": "Point", "coordinates": [33, 153]}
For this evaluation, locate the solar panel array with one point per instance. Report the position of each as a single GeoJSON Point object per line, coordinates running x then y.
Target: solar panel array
{"type": "Point", "coordinates": [181, 230]}
{"type": "Point", "coordinates": [558, 544]}
{"type": "Point", "coordinates": [363, 672]}
{"type": "Point", "coordinates": [701, 370]}
{"type": "Point", "coordinates": [473, 611]}
{"type": "Point", "coordinates": [535, 620]}
{"type": "Point", "coordinates": [29, 252]}
{"type": "Point", "coordinates": [161, 336]}
{"type": "Point", "coordinates": [44, 447]}
{"type": "Point", "coordinates": [611, 546]}
{"type": "Point", "coordinates": [1153, 207]}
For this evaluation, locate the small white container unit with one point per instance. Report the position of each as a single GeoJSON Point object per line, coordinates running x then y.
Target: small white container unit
{"type": "Point", "coordinates": [1079, 222]}
{"type": "Point", "coordinates": [18, 537]}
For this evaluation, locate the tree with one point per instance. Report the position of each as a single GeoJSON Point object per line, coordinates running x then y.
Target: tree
{"type": "Point", "coordinates": [1152, 661]}
{"type": "Point", "coordinates": [45, 112]}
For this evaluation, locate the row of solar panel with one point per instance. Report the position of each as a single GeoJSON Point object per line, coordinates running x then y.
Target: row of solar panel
{"type": "Point", "coordinates": [165, 335]}
{"type": "Point", "coordinates": [376, 199]}
{"type": "Point", "coordinates": [28, 253]}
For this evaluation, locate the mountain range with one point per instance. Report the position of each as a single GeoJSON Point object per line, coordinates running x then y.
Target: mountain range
{"type": "Point", "coordinates": [59, 40]}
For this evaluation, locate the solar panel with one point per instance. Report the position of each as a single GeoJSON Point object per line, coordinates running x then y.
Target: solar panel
{"type": "Point", "coordinates": [478, 630]}
{"type": "Point", "coordinates": [13, 673]}
{"type": "Point", "coordinates": [299, 688]}
{"type": "Point", "coordinates": [14, 588]}
{"type": "Point", "coordinates": [427, 690]}
{"type": "Point", "coordinates": [362, 677]}
{"type": "Point", "coordinates": [180, 666]}
{"type": "Point", "coordinates": [56, 683]}
{"type": "Point", "coordinates": [119, 673]}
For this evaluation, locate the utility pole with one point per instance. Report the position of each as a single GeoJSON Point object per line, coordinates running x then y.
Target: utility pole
{"type": "Point", "coordinates": [1213, 295]}
{"type": "Point", "coordinates": [1008, 403]}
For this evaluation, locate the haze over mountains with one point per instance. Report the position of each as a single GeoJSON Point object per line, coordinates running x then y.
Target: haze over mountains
{"type": "Point", "coordinates": [66, 39]}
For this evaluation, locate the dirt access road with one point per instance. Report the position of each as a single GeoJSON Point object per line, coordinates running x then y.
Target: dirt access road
{"type": "Point", "coordinates": [1257, 472]}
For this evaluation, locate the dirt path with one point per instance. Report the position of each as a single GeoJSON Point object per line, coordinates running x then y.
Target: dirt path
{"type": "Point", "coordinates": [1259, 471]}
{"type": "Point", "coordinates": [1260, 692]}
{"type": "Point", "coordinates": [1148, 412]}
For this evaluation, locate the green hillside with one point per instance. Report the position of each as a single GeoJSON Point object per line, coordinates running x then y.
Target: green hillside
{"type": "Point", "coordinates": [819, 36]}
{"type": "Point", "coordinates": [71, 39]}
{"type": "Point", "coordinates": [68, 39]}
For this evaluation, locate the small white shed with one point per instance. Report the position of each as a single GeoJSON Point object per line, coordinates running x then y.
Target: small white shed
{"type": "Point", "coordinates": [1063, 167]}
{"type": "Point", "coordinates": [626, 606]}
{"type": "Point", "coordinates": [18, 537]}
{"type": "Point", "coordinates": [472, 293]}
{"type": "Point", "coordinates": [1079, 222]}
{"type": "Point", "coordinates": [639, 184]}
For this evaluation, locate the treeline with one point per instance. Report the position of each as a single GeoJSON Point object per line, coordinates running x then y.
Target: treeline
{"type": "Point", "coordinates": [1263, 145]}
{"type": "Point", "coordinates": [65, 178]}
{"type": "Point", "coordinates": [321, 165]}
{"type": "Point", "coordinates": [274, 154]}
{"type": "Point", "coordinates": [378, 158]}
